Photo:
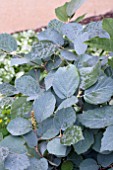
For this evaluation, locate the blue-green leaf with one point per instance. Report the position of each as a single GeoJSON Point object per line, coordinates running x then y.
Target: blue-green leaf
{"type": "Point", "coordinates": [51, 35]}
{"type": "Point", "coordinates": [56, 25]}
{"type": "Point", "coordinates": [66, 81]}
{"type": "Point", "coordinates": [27, 85]}
{"type": "Point", "coordinates": [31, 139]}
{"type": "Point", "coordinates": [19, 126]}
{"type": "Point", "coordinates": [72, 30]}
{"type": "Point", "coordinates": [56, 148]}
{"type": "Point", "coordinates": [67, 55]}
{"type": "Point", "coordinates": [7, 89]}
{"type": "Point", "coordinates": [89, 164]}
{"type": "Point", "coordinates": [83, 145]}
{"type": "Point", "coordinates": [4, 152]}
{"type": "Point", "coordinates": [97, 118]}
{"type": "Point", "coordinates": [14, 144]}
{"type": "Point", "coordinates": [95, 29]}
{"type": "Point", "coordinates": [68, 103]}
{"type": "Point", "coordinates": [7, 43]}
{"type": "Point", "coordinates": [65, 118]}
{"type": "Point", "coordinates": [19, 61]}
{"type": "Point", "coordinates": [105, 160]}
{"type": "Point", "coordinates": [89, 75]}
{"type": "Point", "coordinates": [101, 92]}
{"type": "Point", "coordinates": [17, 161]}
{"type": "Point", "coordinates": [47, 129]}
{"type": "Point", "coordinates": [49, 79]}
{"type": "Point", "coordinates": [36, 164]}
{"type": "Point", "coordinates": [106, 142]}
{"type": "Point", "coordinates": [41, 50]}
{"type": "Point", "coordinates": [73, 5]}
{"type": "Point", "coordinates": [44, 106]}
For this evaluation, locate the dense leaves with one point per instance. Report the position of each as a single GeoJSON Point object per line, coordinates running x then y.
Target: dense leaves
{"type": "Point", "coordinates": [66, 81]}
{"type": "Point", "coordinates": [61, 111]}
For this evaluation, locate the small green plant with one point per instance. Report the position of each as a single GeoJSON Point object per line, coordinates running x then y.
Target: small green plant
{"type": "Point", "coordinates": [61, 110]}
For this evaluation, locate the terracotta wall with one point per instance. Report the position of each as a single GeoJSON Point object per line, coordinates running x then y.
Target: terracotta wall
{"type": "Point", "coordinates": [18, 15]}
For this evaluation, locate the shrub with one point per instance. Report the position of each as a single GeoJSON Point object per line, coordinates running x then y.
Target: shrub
{"type": "Point", "coordinates": [61, 110]}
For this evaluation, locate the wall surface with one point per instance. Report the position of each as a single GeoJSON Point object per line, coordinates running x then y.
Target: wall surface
{"type": "Point", "coordinates": [16, 15]}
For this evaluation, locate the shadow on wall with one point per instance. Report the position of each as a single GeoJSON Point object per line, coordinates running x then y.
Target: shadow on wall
{"type": "Point", "coordinates": [18, 15]}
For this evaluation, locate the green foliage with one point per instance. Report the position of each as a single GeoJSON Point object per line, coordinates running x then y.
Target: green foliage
{"type": "Point", "coordinates": [89, 164]}
{"type": "Point", "coordinates": [61, 109]}
{"type": "Point", "coordinates": [68, 165]}
{"type": "Point", "coordinates": [66, 12]}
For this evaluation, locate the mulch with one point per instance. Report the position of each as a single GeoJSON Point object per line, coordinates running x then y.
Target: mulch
{"type": "Point", "coordinates": [84, 21]}
{"type": "Point", "coordinates": [87, 20]}
{"type": "Point", "coordinates": [97, 18]}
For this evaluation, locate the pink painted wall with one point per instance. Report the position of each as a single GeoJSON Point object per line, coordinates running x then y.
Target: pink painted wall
{"type": "Point", "coordinates": [18, 15]}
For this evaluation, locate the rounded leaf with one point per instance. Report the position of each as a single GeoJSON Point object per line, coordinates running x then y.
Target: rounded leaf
{"type": "Point", "coordinates": [65, 118]}
{"type": "Point", "coordinates": [89, 164]}
{"type": "Point", "coordinates": [36, 164]}
{"type": "Point", "coordinates": [66, 81]}
{"type": "Point", "coordinates": [16, 161]}
{"type": "Point", "coordinates": [97, 118]}
{"type": "Point", "coordinates": [106, 142]}
{"type": "Point", "coordinates": [44, 106]}
{"type": "Point", "coordinates": [19, 126]}
{"type": "Point", "coordinates": [56, 148]}
{"type": "Point", "coordinates": [105, 160]}
{"type": "Point", "coordinates": [83, 145]}
{"type": "Point", "coordinates": [101, 92]}
{"type": "Point", "coordinates": [27, 85]}
{"type": "Point", "coordinates": [7, 43]}
{"type": "Point", "coordinates": [14, 144]}
{"type": "Point", "coordinates": [67, 165]}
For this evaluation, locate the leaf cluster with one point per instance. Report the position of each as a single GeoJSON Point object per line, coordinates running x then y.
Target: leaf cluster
{"type": "Point", "coordinates": [62, 109]}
